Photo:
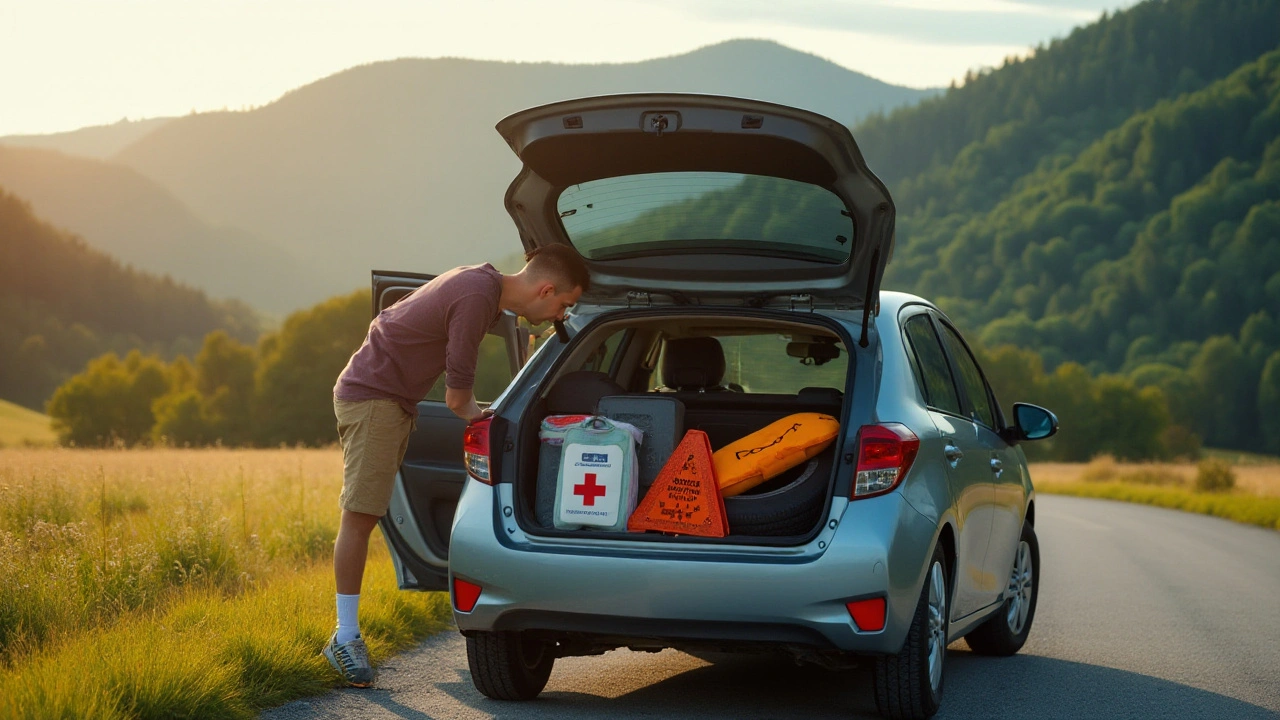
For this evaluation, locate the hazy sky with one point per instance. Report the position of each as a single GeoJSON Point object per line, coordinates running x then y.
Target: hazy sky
{"type": "Point", "coordinates": [71, 63]}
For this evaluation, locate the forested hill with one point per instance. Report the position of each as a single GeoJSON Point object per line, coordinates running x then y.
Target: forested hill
{"type": "Point", "coordinates": [1114, 200]}
{"type": "Point", "coordinates": [62, 303]}
{"type": "Point", "coordinates": [1154, 252]}
{"type": "Point", "coordinates": [137, 221]}
{"type": "Point", "coordinates": [964, 149]}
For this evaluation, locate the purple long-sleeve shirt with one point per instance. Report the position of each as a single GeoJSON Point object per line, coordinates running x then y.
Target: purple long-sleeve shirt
{"type": "Point", "coordinates": [432, 330]}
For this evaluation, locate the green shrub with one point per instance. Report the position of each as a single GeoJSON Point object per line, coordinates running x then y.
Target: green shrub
{"type": "Point", "coordinates": [1214, 475]}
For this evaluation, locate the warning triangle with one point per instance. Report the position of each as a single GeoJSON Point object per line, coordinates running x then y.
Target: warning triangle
{"type": "Point", "coordinates": [685, 498]}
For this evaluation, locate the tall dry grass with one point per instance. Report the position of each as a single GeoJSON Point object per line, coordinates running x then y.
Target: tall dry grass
{"type": "Point", "coordinates": [178, 583]}
{"type": "Point", "coordinates": [211, 656]}
{"type": "Point", "coordinates": [1254, 497]}
{"type": "Point", "coordinates": [87, 535]}
{"type": "Point", "coordinates": [1256, 479]}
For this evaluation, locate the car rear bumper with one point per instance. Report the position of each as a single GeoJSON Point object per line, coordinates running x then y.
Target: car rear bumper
{"type": "Point", "coordinates": [877, 547]}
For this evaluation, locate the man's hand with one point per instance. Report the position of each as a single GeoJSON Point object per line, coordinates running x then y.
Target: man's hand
{"type": "Point", "coordinates": [462, 403]}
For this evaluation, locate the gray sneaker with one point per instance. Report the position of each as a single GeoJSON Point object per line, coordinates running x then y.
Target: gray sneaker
{"type": "Point", "coordinates": [351, 660]}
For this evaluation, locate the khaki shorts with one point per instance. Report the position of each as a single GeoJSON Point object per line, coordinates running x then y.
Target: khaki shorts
{"type": "Point", "coordinates": [374, 436]}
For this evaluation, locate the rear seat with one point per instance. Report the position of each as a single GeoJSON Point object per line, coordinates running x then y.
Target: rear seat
{"type": "Point", "coordinates": [728, 416]}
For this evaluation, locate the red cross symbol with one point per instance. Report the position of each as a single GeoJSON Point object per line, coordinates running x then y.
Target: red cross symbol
{"type": "Point", "coordinates": [589, 490]}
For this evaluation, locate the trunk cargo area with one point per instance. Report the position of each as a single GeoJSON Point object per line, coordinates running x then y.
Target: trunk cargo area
{"type": "Point", "coordinates": [783, 510]}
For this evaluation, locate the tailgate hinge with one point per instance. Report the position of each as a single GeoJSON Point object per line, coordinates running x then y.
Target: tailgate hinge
{"type": "Point", "coordinates": [635, 297]}
{"type": "Point", "coordinates": [803, 301]}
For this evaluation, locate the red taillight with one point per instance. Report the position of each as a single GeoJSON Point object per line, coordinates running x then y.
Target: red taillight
{"type": "Point", "coordinates": [465, 595]}
{"type": "Point", "coordinates": [868, 614]}
{"type": "Point", "coordinates": [475, 450]}
{"type": "Point", "coordinates": [885, 452]}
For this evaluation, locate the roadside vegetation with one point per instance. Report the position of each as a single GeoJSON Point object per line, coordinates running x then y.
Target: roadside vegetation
{"type": "Point", "coordinates": [178, 583]}
{"type": "Point", "coordinates": [1247, 493]}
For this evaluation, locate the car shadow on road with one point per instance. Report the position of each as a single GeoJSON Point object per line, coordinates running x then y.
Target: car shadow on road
{"type": "Point", "coordinates": [741, 687]}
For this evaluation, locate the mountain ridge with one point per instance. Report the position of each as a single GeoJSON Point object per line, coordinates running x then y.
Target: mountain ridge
{"type": "Point", "coordinates": [396, 164]}
{"type": "Point", "coordinates": [135, 220]}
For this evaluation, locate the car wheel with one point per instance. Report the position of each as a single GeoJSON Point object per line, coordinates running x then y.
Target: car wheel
{"type": "Point", "coordinates": [1005, 632]}
{"type": "Point", "coordinates": [508, 665]}
{"type": "Point", "coordinates": [909, 684]}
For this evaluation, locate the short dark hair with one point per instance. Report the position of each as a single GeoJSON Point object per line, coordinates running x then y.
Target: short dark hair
{"type": "Point", "coordinates": [559, 264]}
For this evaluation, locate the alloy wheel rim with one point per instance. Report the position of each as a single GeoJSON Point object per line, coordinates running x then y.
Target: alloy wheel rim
{"type": "Point", "coordinates": [937, 624]}
{"type": "Point", "coordinates": [1019, 590]}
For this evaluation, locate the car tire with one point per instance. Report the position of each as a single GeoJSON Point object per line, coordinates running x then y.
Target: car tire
{"type": "Point", "coordinates": [1005, 632]}
{"type": "Point", "coordinates": [792, 509]}
{"type": "Point", "coordinates": [909, 684]}
{"type": "Point", "coordinates": [508, 665]}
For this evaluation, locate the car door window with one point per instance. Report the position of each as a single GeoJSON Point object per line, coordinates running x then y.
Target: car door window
{"type": "Point", "coordinates": [939, 388]}
{"type": "Point", "coordinates": [969, 374]}
{"type": "Point", "coordinates": [605, 355]}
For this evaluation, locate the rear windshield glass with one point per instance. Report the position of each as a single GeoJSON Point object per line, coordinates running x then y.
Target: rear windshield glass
{"type": "Point", "coordinates": [768, 363]}
{"type": "Point", "coordinates": [699, 212]}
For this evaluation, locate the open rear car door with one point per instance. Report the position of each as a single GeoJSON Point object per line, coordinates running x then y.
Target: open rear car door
{"type": "Point", "coordinates": [426, 490]}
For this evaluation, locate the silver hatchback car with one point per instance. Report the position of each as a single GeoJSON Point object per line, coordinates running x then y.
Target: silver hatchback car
{"type": "Point", "coordinates": [736, 250]}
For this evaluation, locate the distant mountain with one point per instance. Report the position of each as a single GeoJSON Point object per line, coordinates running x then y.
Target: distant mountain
{"type": "Point", "coordinates": [135, 220]}
{"type": "Point", "coordinates": [397, 165]}
{"type": "Point", "coordinates": [62, 303]}
{"type": "Point", "coordinates": [100, 141]}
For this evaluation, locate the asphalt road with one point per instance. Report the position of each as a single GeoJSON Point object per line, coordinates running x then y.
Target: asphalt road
{"type": "Point", "coordinates": [1143, 612]}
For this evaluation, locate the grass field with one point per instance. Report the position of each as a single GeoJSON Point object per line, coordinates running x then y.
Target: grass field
{"type": "Point", "coordinates": [1254, 500]}
{"type": "Point", "coordinates": [20, 427]}
{"type": "Point", "coordinates": [178, 583]}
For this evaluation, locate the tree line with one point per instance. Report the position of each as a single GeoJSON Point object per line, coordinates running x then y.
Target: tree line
{"type": "Point", "coordinates": [231, 393]}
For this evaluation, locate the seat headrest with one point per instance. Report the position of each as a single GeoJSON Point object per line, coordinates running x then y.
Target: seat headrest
{"type": "Point", "coordinates": [693, 363]}
{"type": "Point", "coordinates": [578, 392]}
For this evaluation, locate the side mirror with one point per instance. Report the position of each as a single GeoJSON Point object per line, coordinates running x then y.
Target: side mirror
{"type": "Point", "coordinates": [1034, 422]}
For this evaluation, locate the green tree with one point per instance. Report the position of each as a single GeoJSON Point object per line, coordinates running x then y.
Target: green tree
{"type": "Point", "coordinates": [110, 402]}
{"type": "Point", "coordinates": [180, 419]}
{"type": "Point", "coordinates": [1226, 407]}
{"type": "Point", "coordinates": [224, 377]}
{"type": "Point", "coordinates": [212, 401]}
{"type": "Point", "coordinates": [1130, 421]}
{"type": "Point", "coordinates": [1269, 403]}
{"type": "Point", "coordinates": [298, 367]}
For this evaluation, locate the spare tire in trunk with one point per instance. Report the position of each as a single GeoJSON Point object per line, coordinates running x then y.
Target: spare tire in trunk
{"type": "Point", "coordinates": [786, 505]}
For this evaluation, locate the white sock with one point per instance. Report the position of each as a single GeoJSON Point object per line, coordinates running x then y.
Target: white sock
{"type": "Point", "coordinates": [348, 618]}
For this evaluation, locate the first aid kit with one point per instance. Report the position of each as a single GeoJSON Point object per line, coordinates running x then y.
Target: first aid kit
{"type": "Point", "coordinates": [550, 449]}
{"type": "Point", "coordinates": [597, 485]}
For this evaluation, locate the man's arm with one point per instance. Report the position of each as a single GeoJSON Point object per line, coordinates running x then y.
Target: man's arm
{"type": "Point", "coordinates": [468, 321]}
{"type": "Point", "coordinates": [462, 403]}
